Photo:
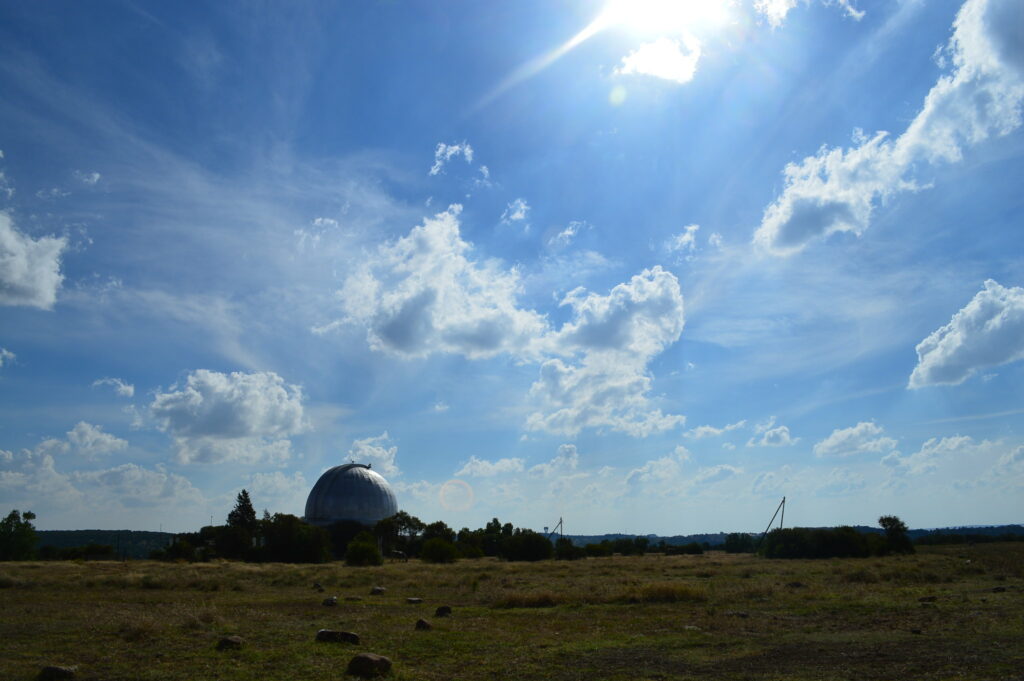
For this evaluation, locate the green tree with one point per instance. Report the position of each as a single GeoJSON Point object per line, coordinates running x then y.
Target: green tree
{"type": "Point", "coordinates": [17, 536]}
{"type": "Point", "coordinates": [896, 534]}
{"type": "Point", "coordinates": [438, 550]}
{"type": "Point", "coordinates": [362, 551]}
{"type": "Point", "coordinates": [243, 515]}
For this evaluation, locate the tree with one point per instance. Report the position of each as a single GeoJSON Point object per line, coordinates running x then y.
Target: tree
{"type": "Point", "coordinates": [17, 536]}
{"type": "Point", "coordinates": [362, 551]}
{"type": "Point", "coordinates": [438, 550]}
{"type": "Point", "coordinates": [896, 534]}
{"type": "Point", "coordinates": [243, 515]}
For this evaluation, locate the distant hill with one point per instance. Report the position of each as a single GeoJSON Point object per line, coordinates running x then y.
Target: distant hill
{"type": "Point", "coordinates": [126, 543]}
{"type": "Point", "coordinates": [717, 538]}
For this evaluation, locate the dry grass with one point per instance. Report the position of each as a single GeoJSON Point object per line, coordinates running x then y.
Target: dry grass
{"type": "Point", "coordinates": [651, 617]}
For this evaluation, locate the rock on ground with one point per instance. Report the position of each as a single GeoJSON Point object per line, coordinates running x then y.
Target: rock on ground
{"type": "Point", "coordinates": [332, 636]}
{"type": "Point", "coordinates": [377, 591]}
{"type": "Point", "coordinates": [56, 673]}
{"type": "Point", "coordinates": [368, 665]}
{"type": "Point", "coordinates": [443, 611]}
{"type": "Point", "coordinates": [230, 643]}
{"type": "Point", "coordinates": [414, 601]}
{"type": "Point", "coordinates": [422, 624]}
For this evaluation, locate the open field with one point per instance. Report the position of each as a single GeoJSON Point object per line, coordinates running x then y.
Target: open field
{"type": "Point", "coordinates": [954, 612]}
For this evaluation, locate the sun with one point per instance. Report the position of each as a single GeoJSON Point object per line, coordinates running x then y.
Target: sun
{"type": "Point", "coordinates": [665, 16]}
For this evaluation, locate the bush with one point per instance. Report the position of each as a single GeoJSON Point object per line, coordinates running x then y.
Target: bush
{"type": "Point", "coordinates": [363, 551]}
{"type": "Point", "coordinates": [566, 550]}
{"type": "Point", "coordinates": [806, 542]}
{"type": "Point", "coordinates": [437, 550]}
{"type": "Point", "coordinates": [526, 545]}
{"type": "Point", "coordinates": [739, 542]}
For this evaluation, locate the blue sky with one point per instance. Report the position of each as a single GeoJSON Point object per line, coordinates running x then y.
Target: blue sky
{"type": "Point", "coordinates": [645, 266]}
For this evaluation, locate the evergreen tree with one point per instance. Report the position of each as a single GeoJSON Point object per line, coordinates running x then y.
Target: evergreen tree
{"type": "Point", "coordinates": [243, 515]}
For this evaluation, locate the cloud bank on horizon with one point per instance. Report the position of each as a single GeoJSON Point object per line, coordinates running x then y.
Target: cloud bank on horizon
{"type": "Point", "coordinates": [569, 291]}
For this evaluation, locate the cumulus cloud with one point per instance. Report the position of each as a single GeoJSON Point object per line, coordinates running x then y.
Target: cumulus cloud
{"type": "Point", "coordinates": [91, 441]}
{"type": "Point", "coordinates": [120, 387]}
{"type": "Point", "coordinates": [276, 489]}
{"type": "Point", "coordinates": [565, 462]}
{"type": "Point", "coordinates": [29, 268]}
{"type": "Point", "coordinates": [672, 59]}
{"type": "Point", "coordinates": [31, 475]}
{"type": "Point", "coordinates": [6, 357]}
{"type": "Point", "coordinates": [710, 431]}
{"type": "Point", "coordinates": [771, 435]}
{"type": "Point", "coordinates": [841, 482]}
{"type": "Point", "coordinates": [612, 339]}
{"type": "Point", "coordinates": [666, 469]}
{"type": "Point", "coordinates": [836, 189]}
{"type": "Point", "coordinates": [375, 451]}
{"type": "Point", "coordinates": [713, 474]}
{"type": "Point", "coordinates": [932, 453]}
{"type": "Point", "coordinates": [424, 294]}
{"type": "Point", "coordinates": [446, 152]}
{"type": "Point", "coordinates": [134, 486]}
{"type": "Point", "coordinates": [516, 211]}
{"type": "Point", "coordinates": [216, 417]}
{"type": "Point", "coordinates": [987, 332]}
{"type": "Point", "coordinates": [481, 468]}
{"type": "Point", "coordinates": [864, 438]}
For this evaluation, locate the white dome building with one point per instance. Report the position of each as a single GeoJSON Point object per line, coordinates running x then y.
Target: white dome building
{"type": "Point", "coordinates": [350, 492]}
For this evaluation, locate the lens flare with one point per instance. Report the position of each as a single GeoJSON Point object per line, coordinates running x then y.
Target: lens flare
{"type": "Point", "coordinates": [456, 495]}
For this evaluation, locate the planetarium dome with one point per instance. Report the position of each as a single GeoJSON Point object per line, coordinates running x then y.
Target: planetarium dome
{"type": "Point", "coordinates": [350, 492]}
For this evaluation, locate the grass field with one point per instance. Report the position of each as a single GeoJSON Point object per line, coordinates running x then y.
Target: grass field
{"type": "Point", "coordinates": [945, 613]}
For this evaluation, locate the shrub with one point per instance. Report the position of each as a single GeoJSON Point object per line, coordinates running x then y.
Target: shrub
{"type": "Point", "coordinates": [363, 551]}
{"type": "Point", "coordinates": [526, 545]}
{"type": "Point", "coordinates": [438, 550]}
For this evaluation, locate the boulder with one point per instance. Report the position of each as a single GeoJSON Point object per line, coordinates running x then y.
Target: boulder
{"type": "Point", "coordinates": [423, 625]}
{"type": "Point", "coordinates": [333, 600]}
{"type": "Point", "coordinates": [230, 643]}
{"type": "Point", "coordinates": [368, 665]}
{"type": "Point", "coordinates": [332, 636]}
{"type": "Point", "coordinates": [55, 673]}
{"type": "Point", "coordinates": [377, 591]}
{"type": "Point", "coordinates": [443, 611]}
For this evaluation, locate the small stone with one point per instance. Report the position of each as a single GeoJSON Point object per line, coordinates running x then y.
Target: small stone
{"type": "Point", "coordinates": [690, 627]}
{"type": "Point", "coordinates": [55, 673]}
{"type": "Point", "coordinates": [413, 601]}
{"type": "Point", "coordinates": [927, 599]}
{"type": "Point", "coordinates": [230, 643]}
{"type": "Point", "coordinates": [443, 611]}
{"type": "Point", "coordinates": [333, 600]}
{"type": "Point", "coordinates": [377, 591]}
{"type": "Point", "coordinates": [332, 636]}
{"type": "Point", "coordinates": [368, 665]}
{"type": "Point", "coordinates": [423, 625]}
{"type": "Point", "coordinates": [998, 589]}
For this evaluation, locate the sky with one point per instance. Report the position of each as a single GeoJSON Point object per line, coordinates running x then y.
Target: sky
{"type": "Point", "coordinates": [645, 266]}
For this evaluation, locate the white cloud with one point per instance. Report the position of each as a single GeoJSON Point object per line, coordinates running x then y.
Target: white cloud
{"type": "Point", "coordinates": [120, 387]}
{"type": "Point", "coordinates": [987, 332]}
{"type": "Point", "coordinates": [6, 357]}
{"type": "Point", "coordinates": [217, 417]}
{"type": "Point", "coordinates": [375, 451]}
{"type": "Point", "coordinates": [864, 438]}
{"type": "Point", "coordinates": [684, 242]}
{"type": "Point", "coordinates": [565, 237]}
{"type": "Point", "coordinates": [614, 338]}
{"type": "Point", "coordinates": [672, 59]}
{"type": "Point", "coordinates": [441, 407]}
{"type": "Point", "coordinates": [276, 489]}
{"type": "Point", "coordinates": [89, 178]}
{"type": "Point", "coordinates": [423, 294]}
{"type": "Point", "coordinates": [775, 11]}
{"type": "Point", "coordinates": [932, 453]}
{"type": "Point", "coordinates": [715, 240]}
{"type": "Point", "coordinates": [835, 190]}
{"type": "Point", "coordinates": [841, 482]}
{"type": "Point", "coordinates": [773, 437]}
{"type": "Point", "coordinates": [91, 441]}
{"type": "Point", "coordinates": [710, 431]}
{"type": "Point", "coordinates": [446, 152]}
{"type": "Point", "coordinates": [516, 211]}
{"type": "Point", "coordinates": [134, 486]}
{"type": "Point", "coordinates": [712, 474]}
{"type": "Point", "coordinates": [666, 469]}
{"type": "Point", "coordinates": [565, 462]}
{"type": "Point", "coordinates": [481, 468]}
{"type": "Point", "coordinates": [29, 268]}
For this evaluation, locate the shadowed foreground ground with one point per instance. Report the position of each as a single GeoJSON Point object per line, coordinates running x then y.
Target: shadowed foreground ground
{"type": "Point", "coordinates": [945, 613]}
